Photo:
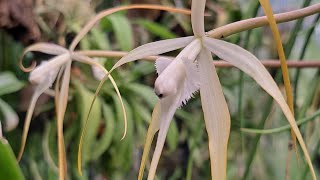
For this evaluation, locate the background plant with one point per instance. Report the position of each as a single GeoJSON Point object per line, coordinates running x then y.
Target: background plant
{"type": "Point", "coordinates": [182, 156]}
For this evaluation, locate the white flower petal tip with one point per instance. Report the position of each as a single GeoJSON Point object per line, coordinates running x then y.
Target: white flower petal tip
{"type": "Point", "coordinates": [197, 17]}
{"type": "Point", "coordinates": [248, 63]}
{"type": "Point", "coordinates": [216, 115]}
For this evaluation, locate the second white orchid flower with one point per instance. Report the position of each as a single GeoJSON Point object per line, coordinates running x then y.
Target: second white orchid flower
{"type": "Point", "coordinates": [192, 70]}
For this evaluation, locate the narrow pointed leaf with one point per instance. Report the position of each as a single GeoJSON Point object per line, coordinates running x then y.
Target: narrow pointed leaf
{"type": "Point", "coordinates": [216, 115]}
{"type": "Point", "coordinates": [248, 63]}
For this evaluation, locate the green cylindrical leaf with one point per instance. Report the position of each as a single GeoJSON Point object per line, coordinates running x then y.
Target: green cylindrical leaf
{"type": "Point", "coordinates": [9, 167]}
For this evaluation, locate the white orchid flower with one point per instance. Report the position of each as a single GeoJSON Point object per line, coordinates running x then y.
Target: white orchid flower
{"type": "Point", "coordinates": [192, 70]}
{"type": "Point", "coordinates": [56, 69]}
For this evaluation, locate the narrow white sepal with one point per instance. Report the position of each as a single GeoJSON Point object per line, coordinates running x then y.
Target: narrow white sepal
{"type": "Point", "coordinates": [197, 17]}
{"type": "Point", "coordinates": [216, 115]}
{"type": "Point", "coordinates": [153, 48]}
{"type": "Point", "coordinates": [48, 70]}
{"type": "Point", "coordinates": [248, 63]}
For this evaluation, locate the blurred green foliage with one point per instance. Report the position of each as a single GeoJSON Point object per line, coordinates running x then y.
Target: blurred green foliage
{"type": "Point", "coordinates": [186, 151]}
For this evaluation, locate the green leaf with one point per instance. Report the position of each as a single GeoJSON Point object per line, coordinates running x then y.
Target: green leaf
{"type": "Point", "coordinates": [103, 144]}
{"type": "Point", "coordinates": [145, 92]}
{"type": "Point", "coordinates": [173, 136]}
{"type": "Point", "coordinates": [157, 29]}
{"type": "Point", "coordinates": [9, 167]}
{"type": "Point", "coordinates": [10, 116]}
{"type": "Point", "coordinates": [123, 31]}
{"type": "Point", "coordinates": [9, 83]}
{"type": "Point", "coordinates": [84, 98]}
{"type": "Point", "coordinates": [121, 153]}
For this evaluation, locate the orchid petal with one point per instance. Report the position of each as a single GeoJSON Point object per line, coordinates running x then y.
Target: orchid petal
{"type": "Point", "coordinates": [162, 63]}
{"type": "Point", "coordinates": [248, 63]}
{"type": "Point", "coordinates": [47, 48]}
{"type": "Point", "coordinates": [153, 48]}
{"type": "Point", "coordinates": [167, 110]}
{"type": "Point", "coordinates": [197, 17]}
{"type": "Point", "coordinates": [216, 115]}
{"type": "Point", "coordinates": [167, 82]}
{"type": "Point", "coordinates": [192, 82]}
{"type": "Point", "coordinates": [153, 128]}
{"type": "Point", "coordinates": [169, 86]}
{"type": "Point", "coordinates": [39, 74]}
{"type": "Point", "coordinates": [41, 88]}
{"type": "Point", "coordinates": [147, 50]}
{"type": "Point", "coordinates": [61, 108]}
